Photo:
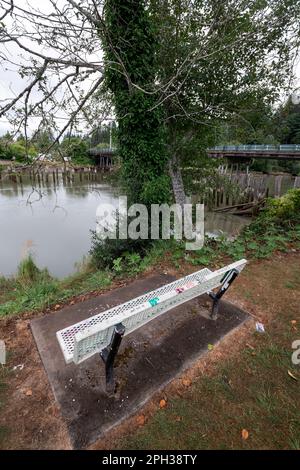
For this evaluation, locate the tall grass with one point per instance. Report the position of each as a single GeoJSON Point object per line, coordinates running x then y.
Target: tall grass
{"type": "Point", "coordinates": [28, 271]}
{"type": "Point", "coordinates": [34, 289]}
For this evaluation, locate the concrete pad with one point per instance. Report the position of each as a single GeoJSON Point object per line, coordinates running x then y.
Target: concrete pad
{"type": "Point", "coordinates": [148, 359]}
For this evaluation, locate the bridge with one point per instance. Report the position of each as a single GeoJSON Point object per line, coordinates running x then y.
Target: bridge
{"type": "Point", "coordinates": [104, 157]}
{"type": "Point", "coordinates": [247, 152]}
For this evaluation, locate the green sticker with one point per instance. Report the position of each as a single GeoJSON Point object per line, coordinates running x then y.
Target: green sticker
{"type": "Point", "coordinates": [154, 302]}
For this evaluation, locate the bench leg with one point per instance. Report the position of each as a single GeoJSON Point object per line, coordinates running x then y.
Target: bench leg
{"type": "Point", "coordinates": [226, 282]}
{"type": "Point", "coordinates": [108, 356]}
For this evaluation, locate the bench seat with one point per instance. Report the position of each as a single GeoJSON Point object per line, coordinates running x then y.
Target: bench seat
{"type": "Point", "coordinates": [88, 337]}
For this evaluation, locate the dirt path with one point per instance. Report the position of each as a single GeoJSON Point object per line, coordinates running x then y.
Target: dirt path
{"type": "Point", "coordinates": [30, 418]}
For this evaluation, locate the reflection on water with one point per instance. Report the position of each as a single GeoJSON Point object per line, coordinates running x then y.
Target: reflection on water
{"type": "Point", "coordinates": [53, 217]}
{"type": "Point", "coordinates": [219, 224]}
{"type": "Point", "coordinates": [54, 220]}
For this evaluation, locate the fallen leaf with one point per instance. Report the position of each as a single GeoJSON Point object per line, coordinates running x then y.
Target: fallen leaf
{"type": "Point", "coordinates": [28, 393]}
{"type": "Point", "coordinates": [178, 418]}
{"type": "Point", "coordinates": [245, 434]}
{"type": "Point", "coordinates": [186, 382]}
{"type": "Point", "coordinates": [292, 375]}
{"type": "Point", "coordinates": [57, 306]}
{"type": "Point", "coordinates": [210, 347]}
{"type": "Point", "coordinates": [140, 420]}
{"type": "Point", "coordinates": [162, 403]}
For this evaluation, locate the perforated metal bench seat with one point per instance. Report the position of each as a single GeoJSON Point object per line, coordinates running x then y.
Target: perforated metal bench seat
{"type": "Point", "coordinates": [88, 337]}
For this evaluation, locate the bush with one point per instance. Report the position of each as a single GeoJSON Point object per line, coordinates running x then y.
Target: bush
{"type": "Point", "coordinates": [17, 150]}
{"type": "Point", "coordinates": [284, 209]}
{"type": "Point", "coordinates": [105, 252]}
{"type": "Point", "coordinates": [76, 149]}
{"type": "Point", "coordinates": [3, 153]}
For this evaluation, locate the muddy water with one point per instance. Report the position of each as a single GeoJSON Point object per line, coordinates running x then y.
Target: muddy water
{"type": "Point", "coordinates": [53, 220]}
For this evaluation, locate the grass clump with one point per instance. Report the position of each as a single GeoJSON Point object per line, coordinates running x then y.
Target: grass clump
{"type": "Point", "coordinates": [29, 273]}
{"type": "Point", "coordinates": [104, 252]}
{"type": "Point", "coordinates": [27, 270]}
{"type": "Point", "coordinates": [35, 290]}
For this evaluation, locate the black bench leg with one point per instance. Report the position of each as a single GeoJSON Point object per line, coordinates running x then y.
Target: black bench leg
{"type": "Point", "coordinates": [108, 356]}
{"type": "Point", "coordinates": [226, 282]}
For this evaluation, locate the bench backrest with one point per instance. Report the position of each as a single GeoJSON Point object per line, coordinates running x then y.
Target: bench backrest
{"type": "Point", "coordinates": [84, 339]}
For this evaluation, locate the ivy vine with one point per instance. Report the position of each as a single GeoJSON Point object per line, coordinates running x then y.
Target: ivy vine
{"type": "Point", "coordinates": [130, 45]}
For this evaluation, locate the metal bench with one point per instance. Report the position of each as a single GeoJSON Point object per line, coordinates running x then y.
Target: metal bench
{"type": "Point", "coordinates": [103, 333]}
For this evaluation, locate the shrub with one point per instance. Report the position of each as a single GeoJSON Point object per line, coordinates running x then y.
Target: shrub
{"type": "Point", "coordinates": [285, 208]}
{"type": "Point", "coordinates": [105, 252]}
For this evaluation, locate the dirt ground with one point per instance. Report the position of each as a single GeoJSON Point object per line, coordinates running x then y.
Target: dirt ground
{"type": "Point", "coordinates": [30, 418]}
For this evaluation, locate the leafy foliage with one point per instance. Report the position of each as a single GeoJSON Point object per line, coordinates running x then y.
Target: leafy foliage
{"type": "Point", "coordinates": [75, 149]}
{"type": "Point", "coordinates": [217, 58]}
{"type": "Point", "coordinates": [104, 253]}
{"type": "Point", "coordinates": [131, 36]}
{"type": "Point", "coordinates": [283, 210]}
{"type": "Point", "coordinates": [275, 228]}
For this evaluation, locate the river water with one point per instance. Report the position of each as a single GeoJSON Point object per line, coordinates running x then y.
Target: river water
{"type": "Point", "coordinates": [53, 220]}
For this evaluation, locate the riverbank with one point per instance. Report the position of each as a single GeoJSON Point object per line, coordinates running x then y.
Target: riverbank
{"type": "Point", "coordinates": [276, 229]}
{"type": "Point", "coordinates": [243, 393]}
{"type": "Point", "coordinates": [47, 166]}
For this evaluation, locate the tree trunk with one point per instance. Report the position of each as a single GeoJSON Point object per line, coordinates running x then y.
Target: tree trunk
{"type": "Point", "coordinates": [177, 183]}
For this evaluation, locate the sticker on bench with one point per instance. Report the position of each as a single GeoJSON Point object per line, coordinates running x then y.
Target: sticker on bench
{"type": "Point", "coordinates": [188, 285]}
{"type": "Point", "coordinates": [154, 301]}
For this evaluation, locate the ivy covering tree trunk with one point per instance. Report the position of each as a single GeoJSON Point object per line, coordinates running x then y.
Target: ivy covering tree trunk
{"type": "Point", "coordinates": [177, 181]}
{"type": "Point", "coordinates": [130, 36]}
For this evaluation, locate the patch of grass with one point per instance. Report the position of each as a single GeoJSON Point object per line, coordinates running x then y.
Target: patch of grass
{"type": "Point", "coordinates": [252, 392]}
{"type": "Point", "coordinates": [290, 285]}
{"type": "Point", "coordinates": [45, 291]}
{"type": "Point", "coordinates": [35, 296]}
{"type": "Point", "coordinates": [28, 271]}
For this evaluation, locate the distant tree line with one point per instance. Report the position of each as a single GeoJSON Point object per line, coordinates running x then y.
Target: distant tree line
{"type": "Point", "coordinates": [73, 147]}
